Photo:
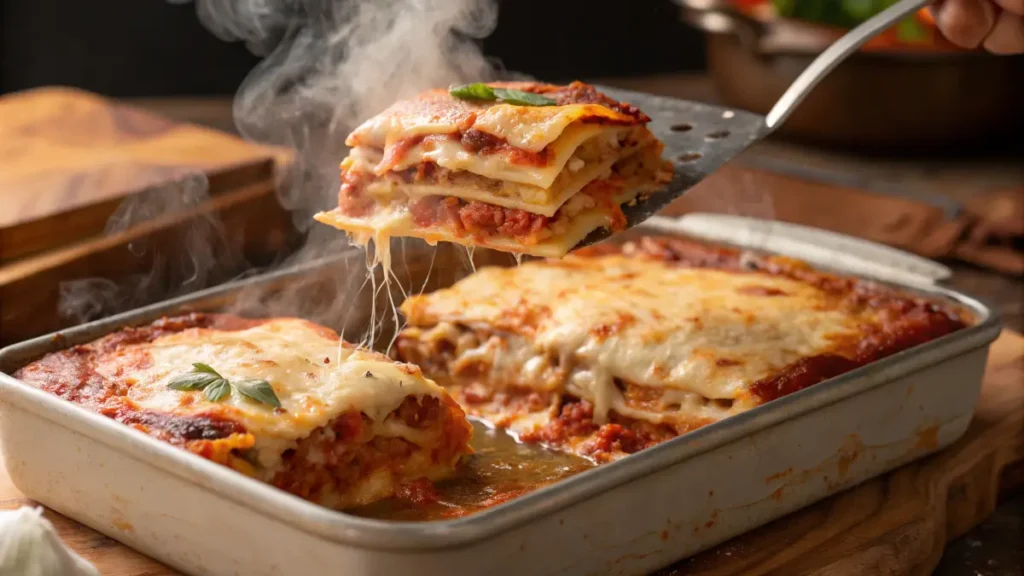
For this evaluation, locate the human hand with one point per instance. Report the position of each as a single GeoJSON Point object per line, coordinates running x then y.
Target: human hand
{"type": "Point", "coordinates": [995, 25]}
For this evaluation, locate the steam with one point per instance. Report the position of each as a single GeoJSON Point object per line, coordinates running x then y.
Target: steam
{"type": "Point", "coordinates": [178, 262]}
{"type": "Point", "coordinates": [331, 64]}
{"type": "Point", "coordinates": [740, 193]}
{"type": "Point", "coordinates": [328, 65]}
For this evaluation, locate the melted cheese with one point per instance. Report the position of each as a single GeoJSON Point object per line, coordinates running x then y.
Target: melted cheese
{"type": "Point", "coordinates": [433, 112]}
{"type": "Point", "coordinates": [450, 154]}
{"type": "Point", "coordinates": [396, 221]}
{"type": "Point", "coordinates": [544, 201]}
{"type": "Point", "coordinates": [530, 128]}
{"type": "Point", "coordinates": [643, 322]}
{"type": "Point", "coordinates": [315, 380]}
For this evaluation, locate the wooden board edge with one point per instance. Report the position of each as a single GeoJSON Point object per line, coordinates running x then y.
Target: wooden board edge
{"type": "Point", "coordinates": [35, 237]}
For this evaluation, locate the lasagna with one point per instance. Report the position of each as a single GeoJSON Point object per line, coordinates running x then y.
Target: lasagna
{"type": "Point", "coordinates": [518, 167]}
{"type": "Point", "coordinates": [282, 400]}
{"type": "Point", "coordinates": [613, 349]}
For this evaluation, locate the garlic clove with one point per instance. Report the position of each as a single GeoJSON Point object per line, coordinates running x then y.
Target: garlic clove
{"type": "Point", "coordinates": [29, 546]}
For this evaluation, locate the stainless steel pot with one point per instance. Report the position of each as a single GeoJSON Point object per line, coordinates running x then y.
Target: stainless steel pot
{"type": "Point", "coordinates": [882, 100]}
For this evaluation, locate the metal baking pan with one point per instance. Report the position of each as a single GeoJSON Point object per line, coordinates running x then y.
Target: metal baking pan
{"type": "Point", "coordinates": [628, 517]}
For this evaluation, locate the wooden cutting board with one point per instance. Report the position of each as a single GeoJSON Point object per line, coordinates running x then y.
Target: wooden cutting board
{"type": "Point", "coordinates": [69, 157]}
{"type": "Point", "coordinates": [895, 525]}
{"type": "Point", "coordinates": [70, 160]}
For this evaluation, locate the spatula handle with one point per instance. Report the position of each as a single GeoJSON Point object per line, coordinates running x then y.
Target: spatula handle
{"type": "Point", "coordinates": [835, 54]}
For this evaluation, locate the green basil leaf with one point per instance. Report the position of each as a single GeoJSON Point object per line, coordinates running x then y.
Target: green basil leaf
{"type": "Point", "coordinates": [258, 390]}
{"type": "Point", "coordinates": [478, 91]}
{"type": "Point", "coordinates": [860, 10]}
{"type": "Point", "coordinates": [200, 367]}
{"type": "Point", "coordinates": [785, 8]}
{"type": "Point", "coordinates": [219, 389]}
{"type": "Point", "coordinates": [910, 30]}
{"type": "Point", "coordinates": [192, 381]}
{"type": "Point", "coordinates": [521, 98]}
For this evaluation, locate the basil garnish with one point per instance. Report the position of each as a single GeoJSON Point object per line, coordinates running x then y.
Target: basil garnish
{"type": "Point", "coordinates": [478, 91]}
{"type": "Point", "coordinates": [258, 390]}
{"type": "Point", "coordinates": [200, 367]}
{"type": "Point", "coordinates": [521, 98]}
{"type": "Point", "coordinates": [216, 387]}
{"type": "Point", "coordinates": [481, 91]}
{"type": "Point", "coordinates": [218, 390]}
{"type": "Point", "coordinates": [193, 381]}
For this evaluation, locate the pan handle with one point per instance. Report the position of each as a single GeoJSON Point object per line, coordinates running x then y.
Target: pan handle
{"type": "Point", "coordinates": [822, 248]}
{"type": "Point", "coordinates": [718, 17]}
{"type": "Point", "coordinates": [834, 55]}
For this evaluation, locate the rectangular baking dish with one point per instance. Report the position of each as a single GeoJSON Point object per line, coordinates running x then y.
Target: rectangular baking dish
{"type": "Point", "coordinates": [628, 517]}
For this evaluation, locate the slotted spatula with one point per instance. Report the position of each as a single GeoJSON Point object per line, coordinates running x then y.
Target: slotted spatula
{"type": "Point", "coordinates": [700, 138]}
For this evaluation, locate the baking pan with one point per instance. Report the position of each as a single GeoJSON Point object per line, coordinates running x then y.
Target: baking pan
{"type": "Point", "coordinates": [627, 517]}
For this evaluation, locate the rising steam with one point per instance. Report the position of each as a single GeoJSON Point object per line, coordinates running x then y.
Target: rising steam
{"type": "Point", "coordinates": [328, 65]}
{"type": "Point", "coordinates": [162, 272]}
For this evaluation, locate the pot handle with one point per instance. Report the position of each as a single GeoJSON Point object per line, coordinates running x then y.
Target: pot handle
{"type": "Point", "coordinates": [718, 17]}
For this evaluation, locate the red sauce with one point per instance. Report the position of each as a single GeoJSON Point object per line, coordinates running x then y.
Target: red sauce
{"type": "Point", "coordinates": [804, 373]}
{"type": "Point", "coordinates": [580, 93]}
{"type": "Point", "coordinates": [490, 220]}
{"type": "Point", "coordinates": [475, 218]}
{"type": "Point", "coordinates": [394, 153]}
{"type": "Point", "coordinates": [418, 492]}
{"type": "Point", "coordinates": [352, 202]}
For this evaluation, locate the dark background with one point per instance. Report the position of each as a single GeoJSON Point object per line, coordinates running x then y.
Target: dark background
{"type": "Point", "coordinates": [136, 48]}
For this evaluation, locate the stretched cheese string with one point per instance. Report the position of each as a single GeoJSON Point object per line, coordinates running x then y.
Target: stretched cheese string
{"type": "Point", "coordinates": [381, 256]}
{"type": "Point", "coordinates": [469, 254]}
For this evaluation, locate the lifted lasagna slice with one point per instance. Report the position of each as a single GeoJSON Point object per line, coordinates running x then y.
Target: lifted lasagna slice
{"type": "Point", "coordinates": [280, 400]}
{"type": "Point", "coordinates": [616, 348]}
{"type": "Point", "coordinates": [518, 167]}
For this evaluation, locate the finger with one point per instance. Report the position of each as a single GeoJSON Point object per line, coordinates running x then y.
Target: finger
{"type": "Point", "coordinates": [1007, 36]}
{"type": "Point", "coordinates": [965, 23]}
{"type": "Point", "coordinates": [1015, 6]}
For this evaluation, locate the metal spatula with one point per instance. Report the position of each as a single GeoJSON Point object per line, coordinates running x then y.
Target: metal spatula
{"type": "Point", "coordinates": [700, 138]}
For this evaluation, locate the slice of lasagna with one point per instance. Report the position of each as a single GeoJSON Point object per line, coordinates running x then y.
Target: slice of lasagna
{"type": "Point", "coordinates": [281, 400]}
{"type": "Point", "coordinates": [616, 348]}
{"type": "Point", "coordinates": [518, 167]}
